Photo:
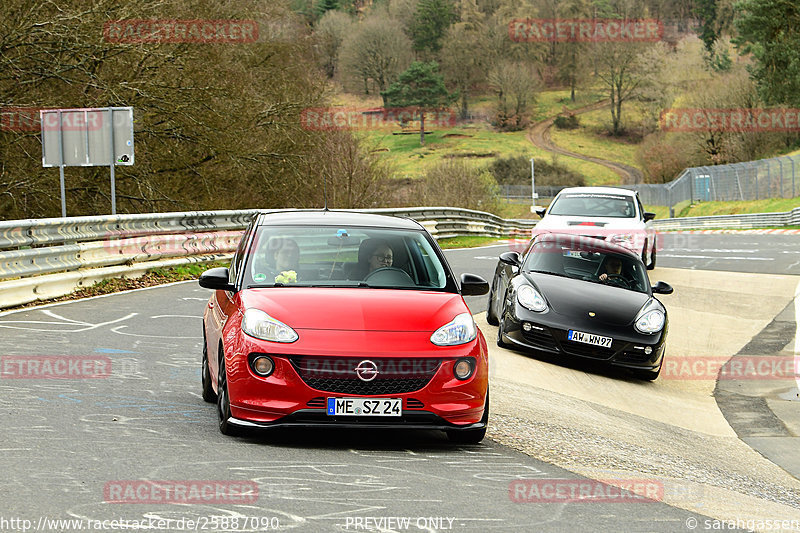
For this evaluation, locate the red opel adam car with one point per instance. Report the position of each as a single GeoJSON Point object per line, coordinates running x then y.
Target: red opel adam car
{"type": "Point", "coordinates": [329, 318]}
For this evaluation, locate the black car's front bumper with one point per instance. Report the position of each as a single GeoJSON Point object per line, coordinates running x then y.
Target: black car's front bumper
{"type": "Point", "coordinates": [627, 350]}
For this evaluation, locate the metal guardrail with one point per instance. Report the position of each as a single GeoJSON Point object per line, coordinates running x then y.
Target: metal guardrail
{"type": "Point", "coordinates": [35, 247]}
{"type": "Point", "coordinates": [51, 257]}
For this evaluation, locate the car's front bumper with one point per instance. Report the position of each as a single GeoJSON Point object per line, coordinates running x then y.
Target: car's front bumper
{"type": "Point", "coordinates": [628, 349]}
{"type": "Point", "coordinates": [318, 418]}
{"type": "Point", "coordinates": [290, 389]}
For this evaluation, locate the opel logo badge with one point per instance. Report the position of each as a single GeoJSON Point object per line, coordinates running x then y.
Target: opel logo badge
{"type": "Point", "coordinates": [367, 370]}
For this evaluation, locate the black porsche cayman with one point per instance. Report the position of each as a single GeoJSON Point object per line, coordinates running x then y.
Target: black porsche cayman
{"type": "Point", "coordinates": [582, 297]}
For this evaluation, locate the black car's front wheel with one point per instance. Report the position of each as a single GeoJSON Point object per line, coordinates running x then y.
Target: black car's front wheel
{"type": "Point", "coordinates": [223, 401]}
{"type": "Point", "coordinates": [471, 436]}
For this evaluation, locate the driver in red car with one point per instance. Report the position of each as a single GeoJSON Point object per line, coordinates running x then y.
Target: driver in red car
{"type": "Point", "coordinates": [381, 256]}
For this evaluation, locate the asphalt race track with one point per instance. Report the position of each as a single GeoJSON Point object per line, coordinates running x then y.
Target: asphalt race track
{"type": "Point", "coordinates": [72, 449]}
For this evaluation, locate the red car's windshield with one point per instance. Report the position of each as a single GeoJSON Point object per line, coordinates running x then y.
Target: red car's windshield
{"type": "Point", "coordinates": [344, 257]}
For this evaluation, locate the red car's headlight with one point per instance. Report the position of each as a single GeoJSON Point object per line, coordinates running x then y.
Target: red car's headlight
{"type": "Point", "coordinates": [260, 325]}
{"type": "Point", "coordinates": [460, 330]}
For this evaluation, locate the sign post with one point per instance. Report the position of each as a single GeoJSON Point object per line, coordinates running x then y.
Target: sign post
{"type": "Point", "coordinates": [534, 196]}
{"type": "Point", "coordinates": [85, 138]}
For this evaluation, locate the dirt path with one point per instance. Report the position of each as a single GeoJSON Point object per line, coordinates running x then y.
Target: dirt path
{"type": "Point", "coordinates": [539, 135]}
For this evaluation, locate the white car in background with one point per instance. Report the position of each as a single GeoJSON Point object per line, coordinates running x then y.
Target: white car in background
{"type": "Point", "coordinates": [612, 214]}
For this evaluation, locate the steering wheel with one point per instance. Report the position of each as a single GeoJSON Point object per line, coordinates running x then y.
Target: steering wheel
{"type": "Point", "coordinates": [618, 280]}
{"type": "Point", "coordinates": [389, 276]}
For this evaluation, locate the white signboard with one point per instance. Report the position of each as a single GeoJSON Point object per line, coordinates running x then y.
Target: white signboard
{"type": "Point", "coordinates": [83, 137]}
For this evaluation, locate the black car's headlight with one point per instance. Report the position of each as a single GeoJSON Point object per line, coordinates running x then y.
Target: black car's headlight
{"type": "Point", "coordinates": [650, 321]}
{"type": "Point", "coordinates": [260, 325]}
{"type": "Point", "coordinates": [530, 298]}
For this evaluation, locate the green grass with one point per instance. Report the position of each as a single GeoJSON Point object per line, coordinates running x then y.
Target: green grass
{"type": "Point", "coordinates": [466, 241]}
{"type": "Point", "coordinates": [478, 143]}
{"type": "Point", "coordinates": [771, 205]}
{"type": "Point", "coordinates": [590, 139]}
{"type": "Point", "coordinates": [551, 103]}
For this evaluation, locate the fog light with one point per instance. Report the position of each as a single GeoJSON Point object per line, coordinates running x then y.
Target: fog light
{"type": "Point", "coordinates": [262, 365]}
{"type": "Point", "coordinates": [648, 350]}
{"type": "Point", "coordinates": [526, 326]}
{"type": "Point", "coordinates": [463, 369]}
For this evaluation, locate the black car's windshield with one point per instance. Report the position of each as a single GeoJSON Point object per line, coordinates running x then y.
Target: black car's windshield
{"type": "Point", "coordinates": [594, 205]}
{"type": "Point", "coordinates": [344, 257]}
{"type": "Point", "coordinates": [588, 264]}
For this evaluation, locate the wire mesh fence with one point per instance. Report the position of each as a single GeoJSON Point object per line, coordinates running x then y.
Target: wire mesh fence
{"type": "Point", "coordinates": [777, 177]}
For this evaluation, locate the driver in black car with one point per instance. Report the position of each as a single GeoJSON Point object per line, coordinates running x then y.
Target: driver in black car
{"type": "Point", "coordinates": [613, 271]}
{"type": "Point", "coordinates": [381, 256]}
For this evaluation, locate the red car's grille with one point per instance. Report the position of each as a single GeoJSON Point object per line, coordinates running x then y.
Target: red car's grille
{"type": "Point", "coordinates": [388, 375]}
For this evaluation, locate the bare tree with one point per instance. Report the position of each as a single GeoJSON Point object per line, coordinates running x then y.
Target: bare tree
{"type": "Point", "coordinates": [377, 51]}
{"type": "Point", "coordinates": [217, 125]}
{"type": "Point", "coordinates": [619, 68]}
{"type": "Point", "coordinates": [330, 32]}
{"type": "Point", "coordinates": [516, 84]}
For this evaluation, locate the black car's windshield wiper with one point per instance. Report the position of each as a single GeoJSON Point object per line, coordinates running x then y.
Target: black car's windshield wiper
{"type": "Point", "coordinates": [559, 274]}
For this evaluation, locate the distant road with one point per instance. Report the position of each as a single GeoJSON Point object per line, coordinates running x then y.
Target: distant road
{"type": "Point", "coordinates": [539, 135]}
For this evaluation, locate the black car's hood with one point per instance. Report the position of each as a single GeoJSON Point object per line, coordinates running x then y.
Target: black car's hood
{"type": "Point", "coordinates": [577, 298]}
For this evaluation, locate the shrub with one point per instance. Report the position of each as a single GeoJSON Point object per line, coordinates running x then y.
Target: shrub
{"type": "Point", "coordinates": [516, 170]}
{"type": "Point", "coordinates": [566, 122]}
{"type": "Point", "coordinates": [456, 183]}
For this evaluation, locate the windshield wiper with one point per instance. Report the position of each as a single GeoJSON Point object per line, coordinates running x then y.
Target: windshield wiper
{"type": "Point", "coordinates": [550, 273]}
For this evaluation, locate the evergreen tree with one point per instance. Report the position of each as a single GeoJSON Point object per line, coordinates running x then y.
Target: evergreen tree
{"type": "Point", "coordinates": [421, 87]}
{"type": "Point", "coordinates": [323, 6]}
{"type": "Point", "coordinates": [431, 20]}
{"type": "Point", "coordinates": [770, 30]}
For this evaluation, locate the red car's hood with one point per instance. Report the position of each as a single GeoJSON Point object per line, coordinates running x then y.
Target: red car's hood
{"type": "Point", "coordinates": [356, 309]}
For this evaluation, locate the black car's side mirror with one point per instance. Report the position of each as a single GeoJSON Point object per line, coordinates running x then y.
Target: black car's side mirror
{"type": "Point", "coordinates": [648, 216]}
{"type": "Point", "coordinates": [511, 258]}
{"type": "Point", "coordinates": [662, 288]}
{"type": "Point", "coordinates": [473, 285]}
{"type": "Point", "coordinates": [216, 279]}
{"type": "Point", "coordinates": [540, 211]}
